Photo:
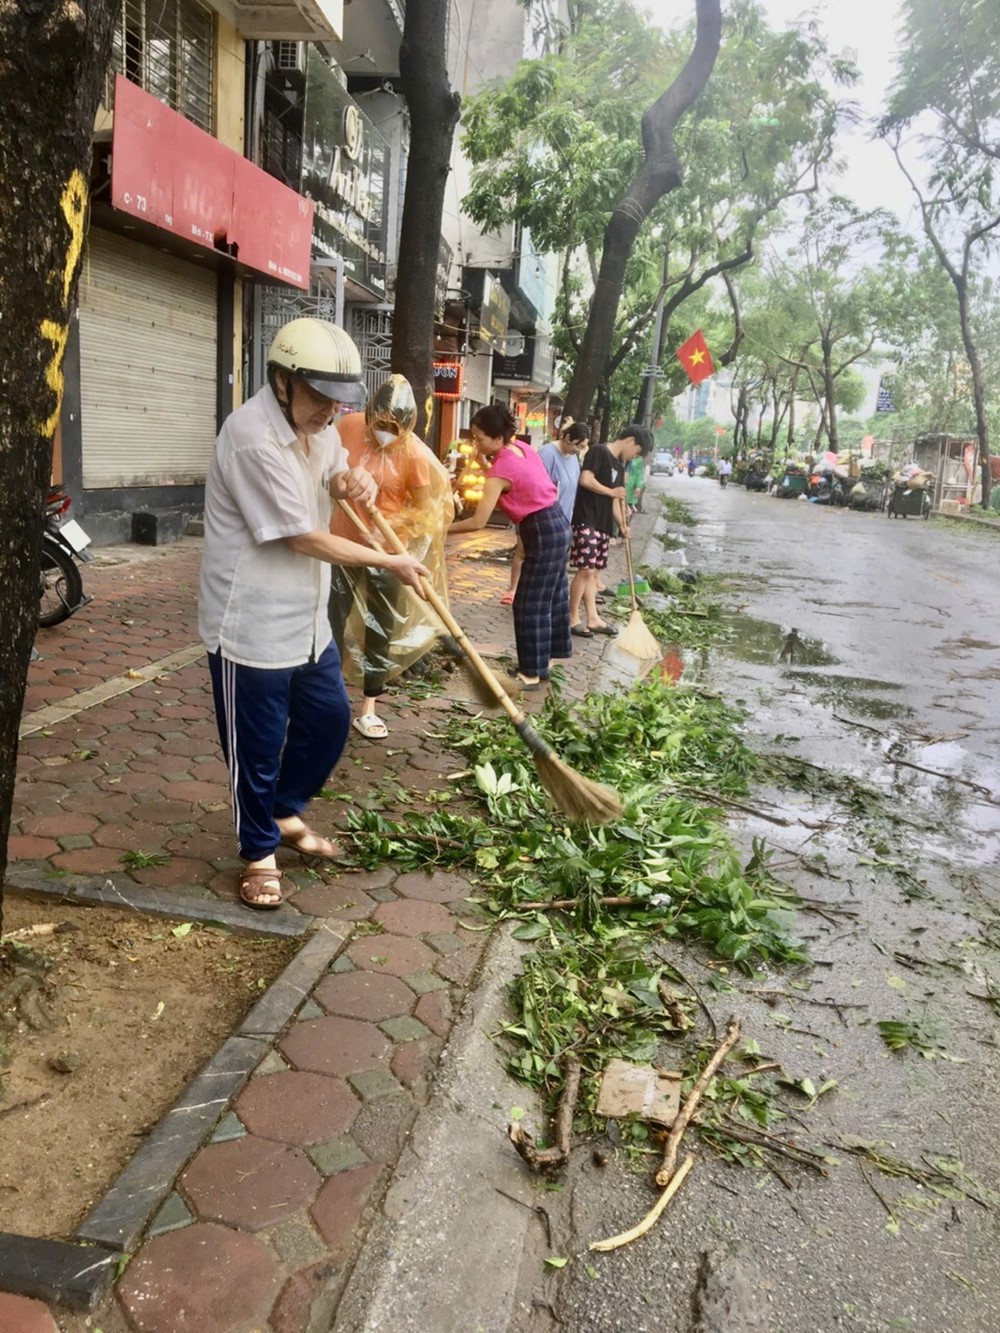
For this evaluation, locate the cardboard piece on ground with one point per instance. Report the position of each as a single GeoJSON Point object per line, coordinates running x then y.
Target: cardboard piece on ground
{"type": "Point", "coordinates": [639, 1090]}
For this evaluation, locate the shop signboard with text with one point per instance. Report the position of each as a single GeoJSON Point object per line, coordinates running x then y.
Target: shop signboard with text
{"type": "Point", "coordinates": [345, 171]}
{"type": "Point", "coordinates": [167, 172]}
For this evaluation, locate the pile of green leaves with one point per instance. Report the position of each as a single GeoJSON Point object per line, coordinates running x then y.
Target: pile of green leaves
{"type": "Point", "coordinates": [585, 985]}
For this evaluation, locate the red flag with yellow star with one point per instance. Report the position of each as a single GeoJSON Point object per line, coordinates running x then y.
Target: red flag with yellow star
{"type": "Point", "coordinates": [695, 357]}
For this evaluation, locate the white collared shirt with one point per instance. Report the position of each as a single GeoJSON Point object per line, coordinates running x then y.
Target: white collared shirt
{"type": "Point", "coordinates": [261, 603]}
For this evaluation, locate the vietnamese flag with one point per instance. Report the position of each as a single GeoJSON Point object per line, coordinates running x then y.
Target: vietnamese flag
{"type": "Point", "coordinates": [695, 357]}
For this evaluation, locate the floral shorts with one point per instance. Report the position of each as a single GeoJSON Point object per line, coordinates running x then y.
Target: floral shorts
{"type": "Point", "coordinates": [590, 548]}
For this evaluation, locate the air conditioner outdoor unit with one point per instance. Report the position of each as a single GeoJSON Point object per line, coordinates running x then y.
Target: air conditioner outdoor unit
{"type": "Point", "coordinates": [290, 57]}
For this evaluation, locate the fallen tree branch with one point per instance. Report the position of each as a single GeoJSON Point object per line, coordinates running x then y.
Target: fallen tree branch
{"type": "Point", "coordinates": [946, 777]}
{"type": "Point", "coordinates": [543, 1159]}
{"type": "Point", "coordinates": [39, 931]}
{"type": "Point", "coordinates": [649, 1221]}
{"type": "Point", "coordinates": [771, 1143]}
{"type": "Point", "coordinates": [694, 1097]}
{"type": "Point", "coordinates": [565, 904]}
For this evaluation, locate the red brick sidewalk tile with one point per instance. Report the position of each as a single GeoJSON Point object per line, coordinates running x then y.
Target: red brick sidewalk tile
{"type": "Point", "coordinates": [89, 861]}
{"type": "Point", "coordinates": [30, 849]}
{"type": "Point", "coordinates": [390, 953]}
{"type": "Point", "coordinates": [18, 1314]}
{"type": "Point", "coordinates": [338, 1046]}
{"type": "Point", "coordinates": [341, 1202]}
{"type": "Point", "coordinates": [296, 1307]}
{"type": "Point", "coordinates": [437, 888]}
{"type": "Point", "coordinates": [297, 1108]}
{"type": "Point", "coordinates": [341, 898]}
{"type": "Point", "coordinates": [249, 1183]}
{"type": "Point", "coordinates": [435, 1011]}
{"type": "Point", "coordinates": [58, 826]}
{"type": "Point", "coordinates": [414, 918]}
{"type": "Point", "coordinates": [201, 1279]}
{"type": "Point", "coordinates": [372, 996]}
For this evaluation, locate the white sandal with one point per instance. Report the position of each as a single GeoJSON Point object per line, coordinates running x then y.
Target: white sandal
{"type": "Point", "coordinates": [371, 727]}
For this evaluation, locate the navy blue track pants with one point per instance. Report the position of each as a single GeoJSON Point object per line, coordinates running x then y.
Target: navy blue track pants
{"type": "Point", "coordinates": [282, 731]}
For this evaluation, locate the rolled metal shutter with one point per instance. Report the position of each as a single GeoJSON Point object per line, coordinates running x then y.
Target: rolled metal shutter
{"type": "Point", "coordinates": [148, 337]}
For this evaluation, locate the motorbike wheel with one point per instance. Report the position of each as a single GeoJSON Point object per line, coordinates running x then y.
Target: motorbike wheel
{"type": "Point", "coordinates": [60, 585]}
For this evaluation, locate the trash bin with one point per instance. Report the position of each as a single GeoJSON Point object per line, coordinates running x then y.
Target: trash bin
{"type": "Point", "coordinates": [907, 502]}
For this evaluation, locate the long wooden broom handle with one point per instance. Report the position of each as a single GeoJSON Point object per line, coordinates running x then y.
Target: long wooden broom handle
{"type": "Point", "coordinates": [631, 573]}
{"type": "Point", "coordinates": [446, 618]}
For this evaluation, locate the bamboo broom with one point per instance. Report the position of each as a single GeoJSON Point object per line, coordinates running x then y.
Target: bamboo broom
{"type": "Point", "coordinates": [484, 694]}
{"type": "Point", "coordinates": [636, 638]}
{"type": "Point", "coordinates": [572, 793]}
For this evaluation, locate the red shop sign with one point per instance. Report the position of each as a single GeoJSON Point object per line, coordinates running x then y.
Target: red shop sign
{"type": "Point", "coordinates": [170, 173]}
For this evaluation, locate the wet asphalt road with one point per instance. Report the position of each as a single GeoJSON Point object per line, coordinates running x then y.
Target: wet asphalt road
{"type": "Point", "coordinates": [857, 641]}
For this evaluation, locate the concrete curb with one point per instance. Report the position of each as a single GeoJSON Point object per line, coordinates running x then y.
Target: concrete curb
{"type": "Point", "coordinates": [445, 1250]}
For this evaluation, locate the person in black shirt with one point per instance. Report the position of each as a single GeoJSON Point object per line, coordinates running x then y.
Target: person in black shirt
{"type": "Point", "coordinates": [600, 504]}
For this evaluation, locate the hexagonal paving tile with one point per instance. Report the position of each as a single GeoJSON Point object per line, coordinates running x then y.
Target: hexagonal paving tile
{"type": "Point", "coordinates": [249, 1183]}
{"type": "Point", "coordinates": [415, 918]}
{"type": "Point", "coordinates": [394, 954]}
{"type": "Point", "coordinates": [339, 1046]}
{"type": "Point", "coordinates": [296, 1107]}
{"type": "Point", "coordinates": [201, 1279]}
{"type": "Point", "coordinates": [368, 995]}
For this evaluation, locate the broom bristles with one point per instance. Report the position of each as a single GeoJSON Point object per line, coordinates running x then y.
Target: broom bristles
{"type": "Point", "coordinates": [637, 640]}
{"type": "Point", "coordinates": [573, 794]}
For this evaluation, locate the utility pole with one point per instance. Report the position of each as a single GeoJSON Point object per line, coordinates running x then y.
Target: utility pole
{"type": "Point", "coordinates": [652, 371]}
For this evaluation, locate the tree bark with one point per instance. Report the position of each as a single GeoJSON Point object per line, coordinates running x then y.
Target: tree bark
{"type": "Point", "coordinates": [52, 61]}
{"type": "Point", "coordinates": [660, 173]}
{"type": "Point", "coordinates": [434, 111]}
{"type": "Point", "coordinates": [959, 278]}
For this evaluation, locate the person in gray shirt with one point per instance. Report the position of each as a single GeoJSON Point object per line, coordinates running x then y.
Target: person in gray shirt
{"type": "Point", "coordinates": [562, 462]}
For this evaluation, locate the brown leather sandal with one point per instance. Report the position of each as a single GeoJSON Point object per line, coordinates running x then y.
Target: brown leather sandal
{"type": "Point", "coordinates": [308, 843]}
{"type": "Point", "coordinates": [256, 881]}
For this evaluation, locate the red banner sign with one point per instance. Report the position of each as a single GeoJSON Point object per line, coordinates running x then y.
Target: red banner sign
{"type": "Point", "coordinates": [170, 173]}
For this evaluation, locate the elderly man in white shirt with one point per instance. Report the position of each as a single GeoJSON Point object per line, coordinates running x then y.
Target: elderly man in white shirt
{"type": "Point", "coordinates": [280, 702]}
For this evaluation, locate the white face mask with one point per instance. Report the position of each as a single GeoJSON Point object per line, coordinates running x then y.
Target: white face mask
{"type": "Point", "coordinates": [386, 437]}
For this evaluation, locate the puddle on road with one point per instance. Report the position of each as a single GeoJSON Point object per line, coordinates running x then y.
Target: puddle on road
{"type": "Point", "coordinates": [802, 664]}
{"type": "Point", "coordinates": [762, 641]}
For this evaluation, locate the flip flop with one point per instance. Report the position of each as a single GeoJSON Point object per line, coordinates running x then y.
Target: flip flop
{"type": "Point", "coordinates": [255, 881]}
{"type": "Point", "coordinates": [371, 727]}
{"type": "Point", "coordinates": [308, 843]}
{"type": "Point", "coordinates": [580, 631]}
{"type": "Point", "coordinates": [609, 630]}
{"type": "Point", "coordinates": [526, 684]}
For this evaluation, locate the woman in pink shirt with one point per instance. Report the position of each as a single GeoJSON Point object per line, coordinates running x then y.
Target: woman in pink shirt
{"type": "Point", "coordinates": [517, 481]}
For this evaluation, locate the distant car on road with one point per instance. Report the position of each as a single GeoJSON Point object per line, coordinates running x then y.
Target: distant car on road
{"type": "Point", "coordinates": [663, 462]}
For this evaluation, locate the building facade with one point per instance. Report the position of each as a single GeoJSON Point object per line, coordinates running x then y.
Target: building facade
{"type": "Point", "coordinates": [249, 167]}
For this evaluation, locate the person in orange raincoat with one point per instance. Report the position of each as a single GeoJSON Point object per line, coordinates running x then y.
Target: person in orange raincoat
{"type": "Point", "coordinates": [380, 630]}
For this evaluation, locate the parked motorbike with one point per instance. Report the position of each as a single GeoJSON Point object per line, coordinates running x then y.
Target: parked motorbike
{"type": "Point", "coordinates": [64, 543]}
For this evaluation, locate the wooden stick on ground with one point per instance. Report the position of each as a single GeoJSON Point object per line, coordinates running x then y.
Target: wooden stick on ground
{"type": "Point", "coordinates": [544, 1158]}
{"type": "Point", "coordinates": [694, 1097]}
{"type": "Point", "coordinates": [640, 1229]}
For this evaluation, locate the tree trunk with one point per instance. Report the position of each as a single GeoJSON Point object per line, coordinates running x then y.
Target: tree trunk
{"type": "Point", "coordinates": [978, 390]}
{"type": "Point", "coordinates": [434, 110]}
{"type": "Point", "coordinates": [52, 62]}
{"type": "Point", "coordinates": [829, 388]}
{"type": "Point", "coordinates": [660, 173]}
